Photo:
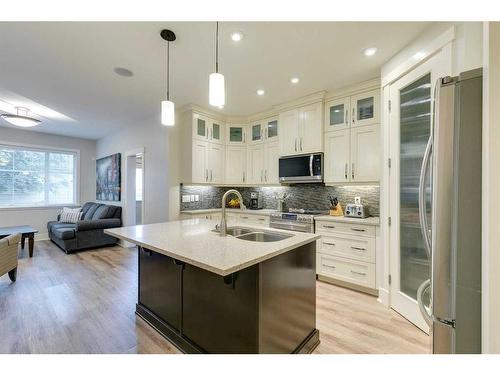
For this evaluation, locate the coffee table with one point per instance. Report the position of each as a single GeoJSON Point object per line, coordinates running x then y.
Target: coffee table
{"type": "Point", "coordinates": [26, 232]}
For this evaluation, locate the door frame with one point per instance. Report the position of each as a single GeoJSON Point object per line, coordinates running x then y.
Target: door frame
{"type": "Point", "coordinates": [440, 64]}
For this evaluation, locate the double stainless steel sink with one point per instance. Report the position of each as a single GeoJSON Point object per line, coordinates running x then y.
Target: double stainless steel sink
{"type": "Point", "coordinates": [256, 235]}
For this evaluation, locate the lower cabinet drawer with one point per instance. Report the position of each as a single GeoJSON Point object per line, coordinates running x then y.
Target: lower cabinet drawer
{"type": "Point", "coordinates": [357, 248]}
{"type": "Point", "coordinates": [352, 271]}
{"type": "Point", "coordinates": [347, 228]}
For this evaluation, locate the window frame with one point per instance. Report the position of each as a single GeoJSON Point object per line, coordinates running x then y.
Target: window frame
{"type": "Point", "coordinates": [76, 173]}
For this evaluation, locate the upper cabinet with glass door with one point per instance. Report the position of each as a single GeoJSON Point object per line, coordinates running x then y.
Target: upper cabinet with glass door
{"type": "Point", "coordinates": [256, 132]}
{"type": "Point", "coordinates": [200, 127]}
{"type": "Point", "coordinates": [271, 129]}
{"type": "Point", "coordinates": [337, 114]}
{"type": "Point", "coordinates": [236, 134]}
{"type": "Point", "coordinates": [365, 108]}
{"type": "Point", "coordinates": [215, 132]}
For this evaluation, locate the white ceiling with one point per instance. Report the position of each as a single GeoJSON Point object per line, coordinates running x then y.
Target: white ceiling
{"type": "Point", "coordinates": [68, 67]}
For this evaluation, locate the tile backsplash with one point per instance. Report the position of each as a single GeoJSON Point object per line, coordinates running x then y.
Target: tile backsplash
{"type": "Point", "coordinates": [309, 196]}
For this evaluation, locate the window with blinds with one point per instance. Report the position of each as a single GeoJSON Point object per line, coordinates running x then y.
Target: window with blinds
{"type": "Point", "coordinates": [31, 177]}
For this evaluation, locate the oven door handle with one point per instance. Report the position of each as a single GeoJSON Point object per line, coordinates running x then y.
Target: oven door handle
{"type": "Point", "coordinates": [298, 227]}
{"type": "Point", "coordinates": [311, 157]}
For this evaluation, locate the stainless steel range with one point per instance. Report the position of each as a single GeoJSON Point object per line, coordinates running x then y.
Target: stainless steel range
{"type": "Point", "coordinates": [298, 220]}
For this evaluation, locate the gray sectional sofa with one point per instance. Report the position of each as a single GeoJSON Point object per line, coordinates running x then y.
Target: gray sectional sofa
{"type": "Point", "coordinates": [88, 232]}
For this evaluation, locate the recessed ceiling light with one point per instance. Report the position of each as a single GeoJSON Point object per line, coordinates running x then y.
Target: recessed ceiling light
{"type": "Point", "coordinates": [236, 36]}
{"type": "Point", "coordinates": [294, 80]}
{"type": "Point", "coordinates": [124, 72]}
{"type": "Point", "coordinates": [370, 51]}
{"type": "Point", "coordinates": [260, 92]}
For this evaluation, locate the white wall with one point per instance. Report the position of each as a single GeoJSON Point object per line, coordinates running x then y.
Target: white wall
{"type": "Point", "coordinates": [491, 187]}
{"type": "Point", "coordinates": [38, 217]}
{"type": "Point", "coordinates": [160, 165]}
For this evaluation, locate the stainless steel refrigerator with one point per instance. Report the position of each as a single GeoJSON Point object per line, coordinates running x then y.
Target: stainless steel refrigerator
{"type": "Point", "coordinates": [450, 215]}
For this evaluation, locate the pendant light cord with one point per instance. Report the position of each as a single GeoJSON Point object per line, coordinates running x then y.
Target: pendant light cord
{"type": "Point", "coordinates": [217, 48]}
{"type": "Point", "coordinates": [168, 70]}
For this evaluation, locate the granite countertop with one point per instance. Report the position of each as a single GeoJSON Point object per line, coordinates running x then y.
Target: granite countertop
{"type": "Point", "coordinates": [192, 241]}
{"type": "Point", "coordinates": [372, 220]}
{"type": "Point", "coordinates": [263, 211]}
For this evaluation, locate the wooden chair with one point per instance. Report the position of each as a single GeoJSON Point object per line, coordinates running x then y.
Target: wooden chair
{"type": "Point", "coordinates": [8, 255]}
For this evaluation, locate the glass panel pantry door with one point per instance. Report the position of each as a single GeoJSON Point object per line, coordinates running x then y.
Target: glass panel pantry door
{"type": "Point", "coordinates": [410, 126]}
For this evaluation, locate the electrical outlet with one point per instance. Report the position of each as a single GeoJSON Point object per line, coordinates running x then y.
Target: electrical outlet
{"type": "Point", "coordinates": [186, 198]}
{"type": "Point", "coordinates": [192, 197]}
{"type": "Point", "coordinates": [196, 198]}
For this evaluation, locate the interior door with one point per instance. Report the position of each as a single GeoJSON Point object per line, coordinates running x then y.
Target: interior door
{"type": "Point", "coordinates": [311, 129]}
{"type": "Point", "coordinates": [216, 163]}
{"type": "Point", "coordinates": [236, 165]}
{"type": "Point", "coordinates": [337, 165]}
{"type": "Point", "coordinates": [410, 126]}
{"type": "Point", "coordinates": [200, 162]}
{"type": "Point", "coordinates": [365, 161]}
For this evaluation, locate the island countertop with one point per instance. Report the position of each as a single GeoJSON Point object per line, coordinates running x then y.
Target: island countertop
{"type": "Point", "coordinates": [192, 241]}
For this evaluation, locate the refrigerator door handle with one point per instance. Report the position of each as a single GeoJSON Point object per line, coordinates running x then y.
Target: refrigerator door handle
{"type": "Point", "coordinates": [424, 310]}
{"type": "Point", "coordinates": [422, 206]}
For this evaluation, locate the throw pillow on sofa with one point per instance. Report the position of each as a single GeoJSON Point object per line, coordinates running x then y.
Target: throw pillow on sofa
{"type": "Point", "coordinates": [70, 215]}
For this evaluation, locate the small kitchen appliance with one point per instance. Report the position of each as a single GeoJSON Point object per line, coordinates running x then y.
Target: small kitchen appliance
{"type": "Point", "coordinates": [300, 169]}
{"type": "Point", "coordinates": [335, 207]}
{"type": "Point", "coordinates": [256, 201]}
{"type": "Point", "coordinates": [356, 209]}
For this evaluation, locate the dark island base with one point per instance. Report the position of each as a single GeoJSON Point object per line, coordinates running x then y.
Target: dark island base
{"type": "Point", "coordinates": [186, 346]}
{"type": "Point", "coordinates": [266, 308]}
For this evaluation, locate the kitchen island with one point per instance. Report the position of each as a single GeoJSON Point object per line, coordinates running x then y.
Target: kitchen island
{"type": "Point", "coordinates": [211, 294]}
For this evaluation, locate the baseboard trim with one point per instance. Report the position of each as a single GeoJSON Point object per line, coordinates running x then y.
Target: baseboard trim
{"type": "Point", "coordinates": [345, 284]}
{"type": "Point", "coordinates": [384, 297]}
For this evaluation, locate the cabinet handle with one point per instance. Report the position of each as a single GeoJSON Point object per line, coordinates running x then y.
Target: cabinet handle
{"type": "Point", "coordinates": [244, 217]}
{"type": "Point", "coordinates": [358, 248]}
{"type": "Point", "coordinates": [346, 117]}
{"type": "Point", "coordinates": [267, 133]}
{"type": "Point", "coordinates": [329, 266]}
{"type": "Point", "coordinates": [261, 175]}
{"type": "Point", "coordinates": [265, 175]}
{"type": "Point", "coordinates": [358, 273]}
{"type": "Point", "coordinates": [329, 243]}
{"type": "Point", "coordinates": [206, 174]}
{"type": "Point", "coordinates": [300, 143]}
{"type": "Point", "coordinates": [345, 171]}
{"type": "Point", "coordinates": [358, 230]}
{"type": "Point", "coordinates": [243, 176]}
{"type": "Point", "coordinates": [328, 226]}
{"type": "Point", "coordinates": [211, 179]}
{"type": "Point", "coordinates": [244, 137]}
{"type": "Point", "coordinates": [295, 144]}
{"type": "Point", "coordinates": [352, 171]}
{"type": "Point", "coordinates": [261, 219]}
{"type": "Point", "coordinates": [354, 115]}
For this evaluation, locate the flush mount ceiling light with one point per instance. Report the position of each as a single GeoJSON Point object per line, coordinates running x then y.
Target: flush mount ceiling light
{"type": "Point", "coordinates": [260, 92]}
{"type": "Point", "coordinates": [294, 80]}
{"type": "Point", "coordinates": [370, 51]}
{"type": "Point", "coordinates": [168, 107]}
{"type": "Point", "coordinates": [217, 90]}
{"type": "Point", "coordinates": [21, 118]}
{"type": "Point", "coordinates": [236, 36]}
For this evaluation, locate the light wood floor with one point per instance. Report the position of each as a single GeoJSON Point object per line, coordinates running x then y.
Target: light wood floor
{"type": "Point", "coordinates": [85, 303]}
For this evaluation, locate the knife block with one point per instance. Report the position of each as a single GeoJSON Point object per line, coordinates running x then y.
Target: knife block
{"type": "Point", "coordinates": [337, 210]}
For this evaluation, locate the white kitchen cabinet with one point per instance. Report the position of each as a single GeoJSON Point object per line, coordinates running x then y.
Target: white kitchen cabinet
{"type": "Point", "coordinates": [365, 145]}
{"type": "Point", "coordinates": [200, 127]}
{"type": "Point", "coordinates": [236, 165]}
{"type": "Point", "coordinates": [311, 128]}
{"type": "Point", "coordinates": [200, 161]}
{"type": "Point", "coordinates": [271, 163]}
{"type": "Point", "coordinates": [289, 122]}
{"type": "Point", "coordinates": [216, 163]}
{"type": "Point", "coordinates": [302, 130]}
{"type": "Point", "coordinates": [216, 132]}
{"type": "Point", "coordinates": [271, 129]}
{"type": "Point", "coordinates": [256, 132]}
{"type": "Point", "coordinates": [337, 157]}
{"type": "Point", "coordinates": [236, 134]}
{"type": "Point", "coordinates": [208, 162]}
{"type": "Point", "coordinates": [337, 114]}
{"type": "Point", "coordinates": [255, 164]}
{"type": "Point", "coordinates": [365, 108]}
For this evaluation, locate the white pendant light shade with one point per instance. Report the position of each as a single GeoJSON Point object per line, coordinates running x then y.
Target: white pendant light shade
{"type": "Point", "coordinates": [217, 91]}
{"type": "Point", "coordinates": [167, 113]}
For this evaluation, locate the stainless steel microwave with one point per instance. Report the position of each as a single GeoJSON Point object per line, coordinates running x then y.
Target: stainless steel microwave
{"type": "Point", "coordinates": [300, 169]}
